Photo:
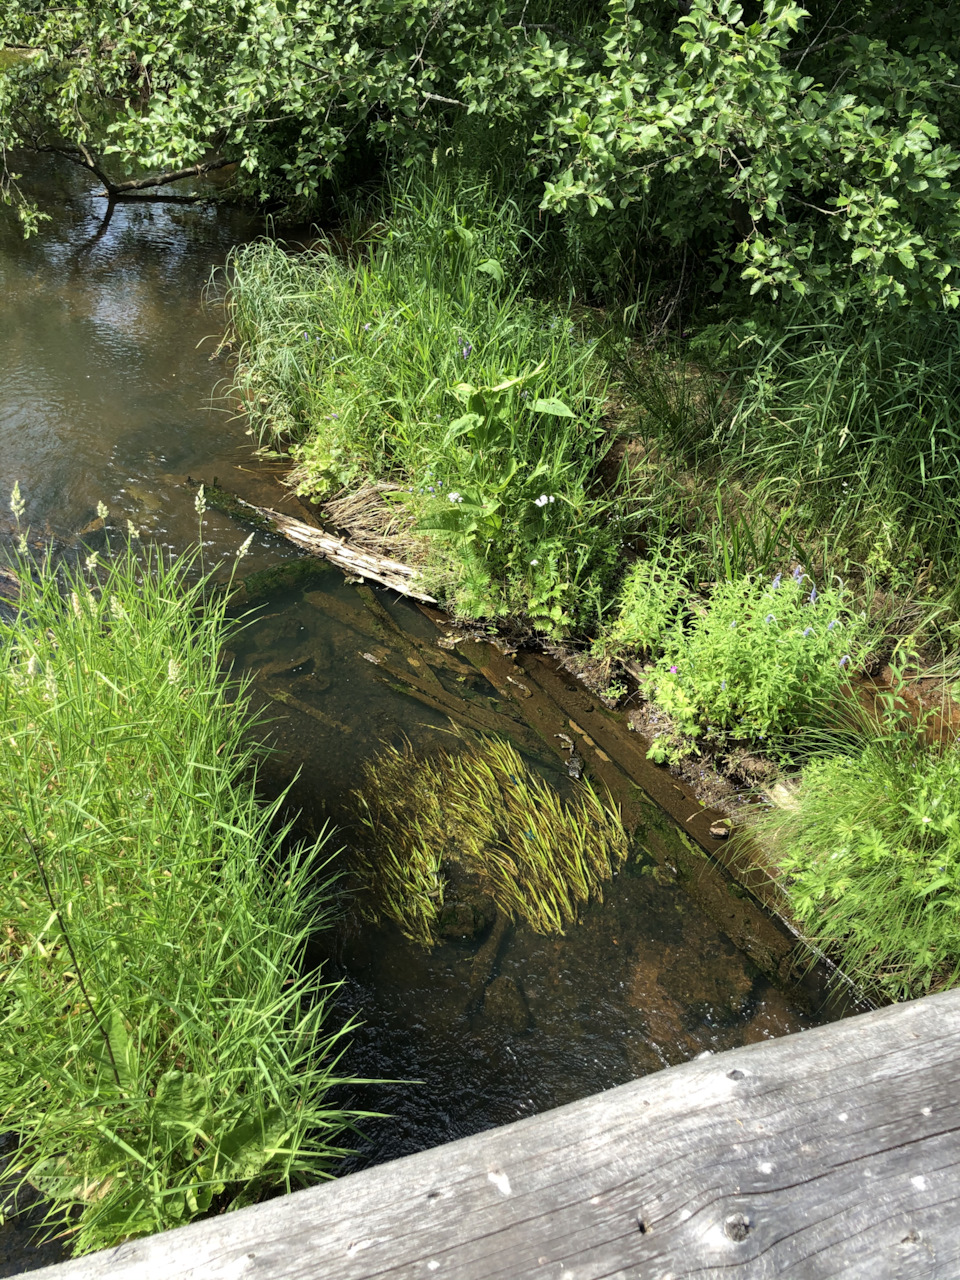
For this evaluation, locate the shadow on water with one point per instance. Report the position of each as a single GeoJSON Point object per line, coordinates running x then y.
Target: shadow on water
{"type": "Point", "coordinates": [106, 396]}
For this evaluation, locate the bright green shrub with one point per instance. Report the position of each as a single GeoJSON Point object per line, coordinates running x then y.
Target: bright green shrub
{"type": "Point", "coordinates": [760, 659]}
{"type": "Point", "coordinates": [651, 598]}
{"type": "Point", "coordinates": [869, 863]}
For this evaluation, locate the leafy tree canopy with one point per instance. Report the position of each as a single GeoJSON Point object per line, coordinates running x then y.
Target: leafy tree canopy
{"type": "Point", "coordinates": [812, 151]}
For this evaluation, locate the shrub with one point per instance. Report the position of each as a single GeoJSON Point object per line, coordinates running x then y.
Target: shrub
{"type": "Point", "coordinates": [163, 1051]}
{"type": "Point", "coordinates": [760, 660]}
{"type": "Point", "coordinates": [869, 862]}
{"type": "Point", "coordinates": [652, 597]}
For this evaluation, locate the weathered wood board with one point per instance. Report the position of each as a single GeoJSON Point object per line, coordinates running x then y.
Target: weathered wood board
{"type": "Point", "coordinates": [832, 1153]}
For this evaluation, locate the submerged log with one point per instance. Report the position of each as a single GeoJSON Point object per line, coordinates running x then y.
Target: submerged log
{"type": "Point", "coordinates": [351, 559]}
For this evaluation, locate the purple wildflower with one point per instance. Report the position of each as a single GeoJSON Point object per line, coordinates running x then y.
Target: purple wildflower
{"type": "Point", "coordinates": [844, 660]}
{"type": "Point", "coordinates": [673, 671]}
{"type": "Point", "coordinates": [813, 595]}
{"type": "Point", "coordinates": [776, 582]}
{"type": "Point", "coordinates": [467, 351]}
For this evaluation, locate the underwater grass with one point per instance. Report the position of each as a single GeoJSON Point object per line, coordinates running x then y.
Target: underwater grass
{"type": "Point", "coordinates": [163, 1051]}
{"type": "Point", "coordinates": [539, 857]}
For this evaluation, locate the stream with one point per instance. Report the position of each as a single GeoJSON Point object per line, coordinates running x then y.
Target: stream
{"type": "Point", "coordinates": [109, 393]}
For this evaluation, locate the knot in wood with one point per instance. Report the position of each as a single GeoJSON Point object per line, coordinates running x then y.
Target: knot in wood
{"type": "Point", "coordinates": [737, 1226]}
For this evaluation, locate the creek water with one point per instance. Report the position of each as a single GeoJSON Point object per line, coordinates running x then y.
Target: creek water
{"type": "Point", "coordinates": [108, 392]}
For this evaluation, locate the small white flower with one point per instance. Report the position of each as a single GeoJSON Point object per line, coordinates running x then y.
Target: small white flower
{"type": "Point", "coordinates": [33, 666]}
{"type": "Point", "coordinates": [455, 497]}
{"type": "Point", "coordinates": [132, 529]}
{"type": "Point", "coordinates": [75, 602]}
{"type": "Point", "coordinates": [91, 561]}
{"type": "Point", "coordinates": [534, 561]}
{"type": "Point", "coordinates": [244, 547]}
{"type": "Point", "coordinates": [102, 510]}
{"type": "Point", "coordinates": [173, 671]}
{"type": "Point", "coordinates": [117, 610]}
{"type": "Point", "coordinates": [22, 544]}
{"type": "Point", "coordinates": [200, 501]}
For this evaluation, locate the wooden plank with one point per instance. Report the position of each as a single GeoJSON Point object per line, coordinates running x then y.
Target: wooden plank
{"type": "Point", "coordinates": [835, 1152]}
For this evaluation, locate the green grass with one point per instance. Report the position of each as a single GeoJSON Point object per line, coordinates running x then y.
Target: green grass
{"type": "Point", "coordinates": [846, 436]}
{"type": "Point", "coordinates": [868, 853]}
{"type": "Point", "coordinates": [163, 1050]}
{"type": "Point", "coordinates": [364, 364]}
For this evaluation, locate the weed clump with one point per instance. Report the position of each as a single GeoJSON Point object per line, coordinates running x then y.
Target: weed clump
{"type": "Point", "coordinates": [163, 1051]}
{"type": "Point", "coordinates": [868, 860]}
{"type": "Point", "coordinates": [760, 658]}
{"type": "Point", "coordinates": [539, 858]}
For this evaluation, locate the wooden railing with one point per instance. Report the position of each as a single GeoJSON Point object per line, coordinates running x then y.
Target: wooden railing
{"type": "Point", "coordinates": [831, 1153]}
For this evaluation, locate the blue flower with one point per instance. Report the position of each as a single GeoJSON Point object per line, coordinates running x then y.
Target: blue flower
{"type": "Point", "coordinates": [813, 595]}
{"type": "Point", "coordinates": [844, 660]}
{"type": "Point", "coordinates": [776, 582]}
{"type": "Point", "coordinates": [798, 574]}
{"type": "Point", "coordinates": [467, 350]}
{"type": "Point", "coordinates": [808, 631]}
{"type": "Point", "coordinates": [832, 625]}
{"type": "Point", "coordinates": [770, 618]}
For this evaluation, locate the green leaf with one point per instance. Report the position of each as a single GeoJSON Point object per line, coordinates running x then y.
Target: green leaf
{"type": "Point", "coordinates": [553, 406]}
{"type": "Point", "coordinates": [493, 269]}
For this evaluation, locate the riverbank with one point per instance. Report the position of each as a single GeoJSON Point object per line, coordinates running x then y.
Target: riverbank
{"type": "Point", "coordinates": [710, 517]}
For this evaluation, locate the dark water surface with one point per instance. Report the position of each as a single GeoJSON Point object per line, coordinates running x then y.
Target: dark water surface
{"type": "Point", "coordinates": [106, 394]}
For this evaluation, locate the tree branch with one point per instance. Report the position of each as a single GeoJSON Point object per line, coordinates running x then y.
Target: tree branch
{"type": "Point", "coordinates": [119, 189]}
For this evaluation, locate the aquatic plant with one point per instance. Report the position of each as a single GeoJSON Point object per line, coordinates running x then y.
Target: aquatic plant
{"type": "Point", "coordinates": [539, 857]}
{"type": "Point", "coordinates": [164, 1052]}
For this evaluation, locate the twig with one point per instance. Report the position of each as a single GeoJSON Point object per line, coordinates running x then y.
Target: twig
{"type": "Point", "coordinates": [73, 955]}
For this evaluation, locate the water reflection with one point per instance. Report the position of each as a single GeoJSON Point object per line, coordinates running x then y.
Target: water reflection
{"type": "Point", "coordinates": [106, 361]}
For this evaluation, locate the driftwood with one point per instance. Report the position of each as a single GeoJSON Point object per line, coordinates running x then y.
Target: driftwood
{"type": "Point", "coordinates": [835, 1152]}
{"type": "Point", "coordinates": [345, 555]}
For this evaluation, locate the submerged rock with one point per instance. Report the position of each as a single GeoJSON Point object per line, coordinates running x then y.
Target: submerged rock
{"type": "Point", "coordinates": [505, 1003]}
{"type": "Point", "coordinates": [466, 916]}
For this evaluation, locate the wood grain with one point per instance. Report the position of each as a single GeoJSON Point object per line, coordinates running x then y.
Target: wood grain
{"type": "Point", "coordinates": [835, 1152]}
